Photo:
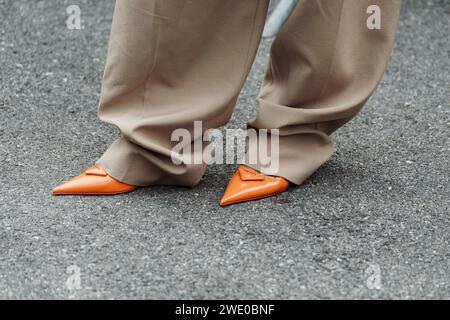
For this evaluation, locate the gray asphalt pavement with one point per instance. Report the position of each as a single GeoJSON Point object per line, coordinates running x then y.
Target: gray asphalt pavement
{"type": "Point", "coordinates": [371, 223]}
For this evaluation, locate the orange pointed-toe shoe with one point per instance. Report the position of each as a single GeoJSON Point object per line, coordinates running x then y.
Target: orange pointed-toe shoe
{"type": "Point", "coordinates": [94, 181]}
{"type": "Point", "coordinates": [248, 184]}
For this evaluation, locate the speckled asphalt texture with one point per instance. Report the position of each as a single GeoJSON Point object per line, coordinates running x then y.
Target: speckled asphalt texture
{"type": "Point", "coordinates": [380, 204]}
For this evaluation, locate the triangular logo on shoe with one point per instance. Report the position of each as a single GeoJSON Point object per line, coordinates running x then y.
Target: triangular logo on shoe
{"type": "Point", "coordinates": [248, 174]}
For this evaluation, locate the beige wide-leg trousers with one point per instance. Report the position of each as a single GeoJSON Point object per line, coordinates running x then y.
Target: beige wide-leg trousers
{"type": "Point", "coordinates": [173, 62]}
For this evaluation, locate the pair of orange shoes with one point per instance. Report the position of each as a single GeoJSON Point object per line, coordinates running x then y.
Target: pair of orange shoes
{"type": "Point", "coordinates": [245, 185]}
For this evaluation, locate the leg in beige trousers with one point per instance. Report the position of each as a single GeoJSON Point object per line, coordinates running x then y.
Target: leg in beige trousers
{"type": "Point", "coordinates": [172, 62]}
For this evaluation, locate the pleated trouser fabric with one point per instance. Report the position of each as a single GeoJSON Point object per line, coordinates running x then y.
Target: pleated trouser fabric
{"type": "Point", "coordinates": [173, 62]}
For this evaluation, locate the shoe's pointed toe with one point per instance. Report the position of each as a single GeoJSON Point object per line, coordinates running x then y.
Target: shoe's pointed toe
{"type": "Point", "coordinates": [248, 184]}
{"type": "Point", "coordinates": [62, 188]}
{"type": "Point", "coordinates": [94, 181]}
